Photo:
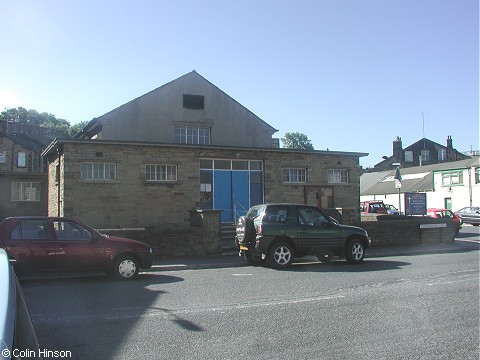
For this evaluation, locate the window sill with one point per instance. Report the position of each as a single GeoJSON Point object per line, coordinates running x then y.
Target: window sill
{"type": "Point", "coordinates": [176, 182]}
{"type": "Point", "coordinates": [99, 181]}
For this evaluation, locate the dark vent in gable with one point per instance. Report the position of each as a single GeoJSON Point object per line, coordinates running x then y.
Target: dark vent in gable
{"type": "Point", "coordinates": [193, 101]}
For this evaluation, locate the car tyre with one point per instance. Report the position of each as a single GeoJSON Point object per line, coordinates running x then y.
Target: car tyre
{"type": "Point", "coordinates": [280, 255]}
{"type": "Point", "coordinates": [354, 251]}
{"type": "Point", "coordinates": [125, 267]}
{"type": "Point", "coordinates": [253, 259]}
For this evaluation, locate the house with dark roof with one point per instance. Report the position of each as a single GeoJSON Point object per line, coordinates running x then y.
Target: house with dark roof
{"type": "Point", "coordinates": [187, 147]}
{"type": "Point", "coordinates": [422, 152]}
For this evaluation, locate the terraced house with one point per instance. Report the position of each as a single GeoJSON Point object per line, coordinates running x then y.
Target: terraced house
{"type": "Point", "coordinates": [189, 147]}
{"type": "Point", "coordinates": [23, 173]}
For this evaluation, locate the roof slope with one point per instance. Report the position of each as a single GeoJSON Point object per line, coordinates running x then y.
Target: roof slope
{"type": "Point", "coordinates": [414, 179]}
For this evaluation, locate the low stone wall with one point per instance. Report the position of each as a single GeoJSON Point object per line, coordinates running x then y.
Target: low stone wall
{"type": "Point", "coordinates": [396, 231]}
{"type": "Point", "coordinates": [202, 239]}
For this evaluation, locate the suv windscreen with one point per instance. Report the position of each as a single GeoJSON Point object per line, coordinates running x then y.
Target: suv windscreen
{"type": "Point", "coordinates": [276, 214]}
{"type": "Point", "coordinates": [255, 211]}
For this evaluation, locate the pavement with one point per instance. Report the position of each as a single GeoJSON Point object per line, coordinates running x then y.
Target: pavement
{"type": "Point", "coordinates": [233, 260]}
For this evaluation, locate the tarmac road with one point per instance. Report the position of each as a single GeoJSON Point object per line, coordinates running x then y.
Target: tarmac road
{"type": "Point", "coordinates": [417, 302]}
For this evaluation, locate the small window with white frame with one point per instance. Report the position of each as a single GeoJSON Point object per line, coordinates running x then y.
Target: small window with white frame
{"type": "Point", "coordinates": [192, 135]}
{"type": "Point", "coordinates": [22, 159]}
{"type": "Point", "coordinates": [25, 191]}
{"type": "Point", "coordinates": [295, 175]}
{"type": "Point", "coordinates": [157, 172]}
{"type": "Point", "coordinates": [98, 171]}
{"type": "Point", "coordinates": [338, 176]}
{"type": "Point", "coordinates": [452, 178]}
{"type": "Point", "coordinates": [425, 156]}
{"type": "Point", "coordinates": [408, 156]}
{"type": "Point", "coordinates": [442, 154]}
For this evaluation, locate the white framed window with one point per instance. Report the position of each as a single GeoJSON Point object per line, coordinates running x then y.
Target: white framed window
{"type": "Point", "coordinates": [26, 191]}
{"type": "Point", "coordinates": [22, 159]}
{"type": "Point", "coordinates": [98, 171]}
{"type": "Point", "coordinates": [338, 176]}
{"type": "Point", "coordinates": [442, 154]}
{"type": "Point", "coordinates": [425, 155]}
{"type": "Point", "coordinates": [192, 135]}
{"type": "Point", "coordinates": [477, 175]}
{"type": "Point", "coordinates": [295, 175]}
{"type": "Point", "coordinates": [452, 178]}
{"type": "Point", "coordinates": [408, 156]}
{"type": "Point", "coordinates": [155, 172]}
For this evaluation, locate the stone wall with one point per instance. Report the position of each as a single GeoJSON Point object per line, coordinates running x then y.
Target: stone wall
{"type": "Point", "coordinates": [409, 231]}
{"type": "Point", "coordinates": [203, 238]}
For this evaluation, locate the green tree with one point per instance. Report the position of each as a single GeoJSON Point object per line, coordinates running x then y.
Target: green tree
{"type": "Point", "coordinates": [75, 128]}
{"type": "Point", "coordinates": [33, 117]}
{"type": "Point", "coordinates": [296, 140]}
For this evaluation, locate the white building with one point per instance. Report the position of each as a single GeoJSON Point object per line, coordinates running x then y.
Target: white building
{"type": "Point", "coordinates": [451, 185]}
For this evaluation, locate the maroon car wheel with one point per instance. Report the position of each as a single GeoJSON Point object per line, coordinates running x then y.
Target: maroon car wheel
{"type": "Point", "coordinates": [125, 267]}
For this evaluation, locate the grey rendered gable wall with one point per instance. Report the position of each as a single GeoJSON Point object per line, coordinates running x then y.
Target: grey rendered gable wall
{"type": "Point", "coordinates": [153, 116]}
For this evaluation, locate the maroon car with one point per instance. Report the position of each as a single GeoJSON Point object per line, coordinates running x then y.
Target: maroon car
{"type": "Point", "coordinates": [45, 244]}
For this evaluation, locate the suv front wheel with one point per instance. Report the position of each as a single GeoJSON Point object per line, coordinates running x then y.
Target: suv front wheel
{"type": "Point", "coordinates": [354, 251]}
{"type": "Point", "coordinates": [280, 255]}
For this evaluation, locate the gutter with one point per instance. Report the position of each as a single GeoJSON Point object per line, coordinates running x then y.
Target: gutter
{"type": "Point", "coordinates": [57, 142]}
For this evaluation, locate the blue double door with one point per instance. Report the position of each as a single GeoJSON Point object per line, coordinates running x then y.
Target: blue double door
{"type": "Point", "coordinates": [234, 192]}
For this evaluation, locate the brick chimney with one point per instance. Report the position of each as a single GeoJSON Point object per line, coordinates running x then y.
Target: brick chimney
{"type": "Point", "coordinates": [450, 151]}
{"type": "Point", "coordinates": [397, 149]}
{"type": "Point", "coordinates": [449, 142]}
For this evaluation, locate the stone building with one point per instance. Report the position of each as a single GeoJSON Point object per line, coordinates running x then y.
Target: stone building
{"type": "Point", "coordinates": [422, 152]}
{"type": "Point", "coordinates": [23, 175]}
{"type": "Point", "coordinates": [128, 184]}
{"type": "Point", "coordinates": [186, 147]}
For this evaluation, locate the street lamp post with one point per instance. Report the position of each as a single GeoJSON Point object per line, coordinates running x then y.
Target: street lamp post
{"type": "Point", "coordinates": [398, 184]}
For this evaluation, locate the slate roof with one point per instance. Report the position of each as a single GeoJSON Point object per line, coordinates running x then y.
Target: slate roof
{"type": "Point", "coordinates": [414, 179]}
{"type": "Point", "coordinates": [33, 142]}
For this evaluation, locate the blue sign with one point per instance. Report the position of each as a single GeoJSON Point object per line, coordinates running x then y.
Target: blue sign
{"type": "Point", "coordinates": [415, 203]}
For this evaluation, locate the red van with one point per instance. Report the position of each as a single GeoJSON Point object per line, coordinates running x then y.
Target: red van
{"type": "Point", "coordinates": [373, 207]}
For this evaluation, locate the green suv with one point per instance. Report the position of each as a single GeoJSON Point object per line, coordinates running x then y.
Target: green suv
{"type": "Point", "coordinates": [277, 233]}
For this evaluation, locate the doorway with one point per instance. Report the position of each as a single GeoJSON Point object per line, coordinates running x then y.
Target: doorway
{"type": "Point", "coordinates": [320, 196]}
{"type": "Point", "coordinates": [232, 186]}
{"type": "Point", "coordinates": [448, 203]}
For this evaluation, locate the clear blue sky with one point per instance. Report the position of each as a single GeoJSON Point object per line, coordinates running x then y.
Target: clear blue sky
{"type": "Point", "coordinates": [352, 75]}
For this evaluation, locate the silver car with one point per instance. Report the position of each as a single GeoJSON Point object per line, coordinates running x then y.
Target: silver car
{"type": "Point", "coordinates": [17, 334]}
{"type": "Point", "coordinates": [469, 215]}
